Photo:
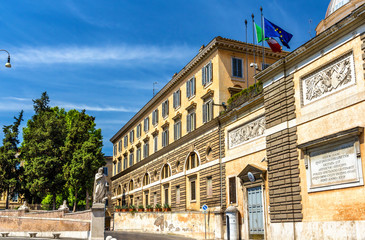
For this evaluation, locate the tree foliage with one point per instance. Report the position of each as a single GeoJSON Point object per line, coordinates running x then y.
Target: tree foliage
{"type": "Point", "coordinates": [60, 150]}
{"type": "Point", "coordinates": [10, 169]}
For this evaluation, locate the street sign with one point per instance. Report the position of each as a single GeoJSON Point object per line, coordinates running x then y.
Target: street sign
{"type": "Point", "coordinates": [205, 207]}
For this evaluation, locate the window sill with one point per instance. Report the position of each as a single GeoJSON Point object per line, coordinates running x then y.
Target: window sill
{"type": "Point", "coordinates": [208, 84]}
{"type": "Point", "coordinates": [237, 79]}
{"type": "Point", "coordinates": [192, 201]}
{"type": "Point", "coordinates": [191, 97]}
{"type": "Point", "coordinates": [177, 108]}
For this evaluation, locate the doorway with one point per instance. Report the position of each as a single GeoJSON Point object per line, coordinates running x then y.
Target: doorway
{"type": "Point", "coordinates": [255, 212]}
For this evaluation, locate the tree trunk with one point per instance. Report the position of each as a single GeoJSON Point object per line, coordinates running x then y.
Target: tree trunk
{"type": "Point", "coordinates": [87, 199]}
{"type": "Point", "coordinates": [75, 202]}
{"type": "Point", "coordinates": [7, 199]}
{"type": "Point", "coordinates": [54, 201]}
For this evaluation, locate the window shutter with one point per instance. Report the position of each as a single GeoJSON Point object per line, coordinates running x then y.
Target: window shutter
{"type": "Point", "coordinates": [239, 68]}
{"type": "Point", "coordinates": [193, 88]}
{"type": "Point", "coordinates": [210, 71]}
{"type": "Point", "coordinates": [167, 137]}
{"type": "Point", "coordinates": [167, 107]}
{"type": "Point", "coordinates": [188, 123]}
{"type": "Point", "coordinates": [234, 67]}
{"type": "Point", "coordinates": [188, 89]}
{"type": "Point", "coordinates": [194, 122]}
{"type": "Point", "coordinates": [175, 133]}
{"type": "Point", "coordinates": [210, 110]}
{"type": "Point", "coordinates": [204, 112]}
{"type": "Point", "coordinates": [203, 76]}
{"type": "Point", "coordinates": [156, 116]}
{"type": "Point", "coordinates": [179, 98]}
{"type": "Point", "coordinates": [174, 100]}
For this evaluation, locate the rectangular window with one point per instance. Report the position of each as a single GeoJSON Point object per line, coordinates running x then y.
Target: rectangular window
{"type": "Point", "coordinates": [165, 108]}
{"type": "Point", "coordinates": [155, 117]}
{"type": "Point", "coordinates": [190, 121]}
{"type": "Point", "coordinates": [139, 127]}
{"type": "Point", "coordinates": [125, 162]}
{"type": "Point", "coordinates": [138, 154]}
{"type": "Point", "coordinates": [146, 124]}
{"type": "Point", "coordinates": [237, 67]}
{"type": "Point", "coordinates": [209, 187]}
{"type": "Point", "coordinates": [232, 190]}
{"type": "Point", "coordinates": [131, 136]}
{"type": "Point", "coordinates": [115, 168]}
{"type": "Point", "coordinates": [155, 143]}
{"type": "Point", "coordinates": [177, 194]}
{"type": "Point", "coordinates": [126, 141]}
{"type": "Point", "coordinates": [177, 99]}
{"type": "Point", "coordinates": [131, 200]}
{"type": "Point", "coordinates": [115, 150]}
{"type": "Point", "coordinates": [146, 149]}
{"type": "Point", "coordinates": [208, 111]}
{"type": "Point", "coordinates": [131, 159]}
{"type": "Point", "coordinates": [177, 129]}
{"type": "Point", "coordinates": [167, 195]}
{"type": "Point", "coordinates": [192, 190]}
{"type": "Point", "coordinates": [119, 166]}
{"type": "Point", "coordinates": [120, 146]}
{"type": "Point", "coordinates": [165, 137]}
{"type": "Point", "coordinates": [207, 74]}
{"type": "Point", "coordinates": [190, 87]}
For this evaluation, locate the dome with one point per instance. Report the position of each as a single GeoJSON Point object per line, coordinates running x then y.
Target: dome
{"type": "Point", "coordinates": [334, 5]}
{"type": "Point", "coordinates": [336, 11]}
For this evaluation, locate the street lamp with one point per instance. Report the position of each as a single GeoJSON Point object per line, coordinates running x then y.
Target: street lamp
{"type": "Point", "coordinates": [8, 65]}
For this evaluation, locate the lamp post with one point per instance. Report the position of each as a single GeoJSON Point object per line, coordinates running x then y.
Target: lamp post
{"type": "Point", "coordinates": [8, 65]}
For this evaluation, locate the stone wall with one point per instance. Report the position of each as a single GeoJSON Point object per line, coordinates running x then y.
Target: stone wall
{"type": "Point", "coordinates": [190, 224]}
{"type": "Point", "coordinates": [20, 223]}
{"type": "Point", "coordinates": [282, 155]}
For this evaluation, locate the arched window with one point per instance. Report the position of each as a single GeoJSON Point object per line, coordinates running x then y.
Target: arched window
{"type": "Point", "coordinates": [146, 179]}
{"type": "Point", "coordinates": [131, 185]}
{"type": "Point", "coordinates": [192, 161]}
{"type": "Point", "coordinates": [166, 171]}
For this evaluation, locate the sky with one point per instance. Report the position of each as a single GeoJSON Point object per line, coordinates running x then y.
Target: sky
{"type": "Point", "coordinates": [104, 56]}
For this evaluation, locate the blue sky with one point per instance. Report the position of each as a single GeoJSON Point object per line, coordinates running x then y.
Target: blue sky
{"type": "Point", "coordinates": [103, 56]}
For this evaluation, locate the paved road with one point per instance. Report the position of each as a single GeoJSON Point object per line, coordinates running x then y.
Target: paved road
{"type": "Point", "coordinates": [144, 236]}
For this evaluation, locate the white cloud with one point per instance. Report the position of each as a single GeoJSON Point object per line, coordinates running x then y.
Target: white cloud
{"type": "Point", "coordinates": [93, 108]}
{"type": "Point", "coordinates": [17, 104]}
{"type": "Point", "coordinates": [121, 54]}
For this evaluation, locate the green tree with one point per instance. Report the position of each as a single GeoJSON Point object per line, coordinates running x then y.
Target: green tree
{"type": "Point", "coordinates": [83, 151]}
{"type": "Point", "coordinates": [10, 169]}
{"type": "Point", "coordinates": [43, 139]}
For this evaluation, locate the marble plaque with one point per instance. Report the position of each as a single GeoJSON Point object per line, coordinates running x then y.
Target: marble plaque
{"type": "Point", "coordinates": [331, 78]}
{"type": "Point", "coordinates": [334, 165]}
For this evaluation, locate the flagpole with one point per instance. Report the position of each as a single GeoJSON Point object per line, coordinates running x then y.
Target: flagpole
{"type": "Point", "coordinates": [246, 56]}
{"type": "Point", "coordinates": [254, 45]}
{"type": "Point", "coordinates": [263, 39]}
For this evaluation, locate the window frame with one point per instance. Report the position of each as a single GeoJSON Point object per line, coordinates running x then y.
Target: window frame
{"type": "Point", "coordinates": [138, 131]}
{"type": "Point", "coordinates": [155, 117]}
{"type": "Point", "coordinates": [208, 113]}
{"type": "Point", "coordinates": [207, 74]}
{"type": "Point", "coordinates": [125, 141]}
{"type": "Point", "coordinates": [232, 188]}
{"type": "Point", "coordinates": [237, 65]}
{"type": "Point", "coordinates": [177, 129]}
{"type": "Point", "coordinates": [165, 108]}
{"type": "Point", "coordinates": [146, 149]}
{"type": "Point", "coordinates": [138, 154]}
{"type": "Point", "coordinates": [191, 88]}
{"type": "Point", "coordinates": [131, 159]}
{"type": "Point", "coordinates": [165, 137]}
{"type": "Point", "coordinates": [131, 136]}
{"type": "Point", "coordinates": [176, 99]}
{"type": "Point", "coordinates": [146, 124]}
{"type": "Point", "coordinates": [191, 121]}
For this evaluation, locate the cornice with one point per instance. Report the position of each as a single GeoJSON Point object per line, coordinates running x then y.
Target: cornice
{"type": "Point", "coordinates": [204, 53]}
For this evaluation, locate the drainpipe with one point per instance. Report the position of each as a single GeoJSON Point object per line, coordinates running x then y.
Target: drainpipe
{"type": "Point", "coordinates": [220, 162]}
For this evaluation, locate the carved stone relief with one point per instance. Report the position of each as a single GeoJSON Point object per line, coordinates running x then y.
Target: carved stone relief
{"type": "Point", "coordinates": [246, 132]}
{"type": "Point", "coordinates": [331, 78]}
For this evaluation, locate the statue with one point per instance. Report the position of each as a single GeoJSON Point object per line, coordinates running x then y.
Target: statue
{"type": "Point", "coordinates": [24, 207]}
{"type": "Point", "coordinates": [100, 185]}
{"type": "Point", "coordinates": [64, 206]}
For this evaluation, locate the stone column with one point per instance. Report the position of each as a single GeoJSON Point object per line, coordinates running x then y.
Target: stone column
{"type": "Point", "coordinates": [218, 223]}
{"type": "Point", "coordinates": [97, 221]}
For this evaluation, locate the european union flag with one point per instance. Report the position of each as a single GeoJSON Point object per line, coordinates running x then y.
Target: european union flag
{"type": "Point", "coordinates": [272, 30]}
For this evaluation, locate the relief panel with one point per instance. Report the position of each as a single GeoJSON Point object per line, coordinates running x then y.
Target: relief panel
{"type": "Point", "coordinates": [329, 79]}
{"type": "Point", "coordinates": [246, 132]}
